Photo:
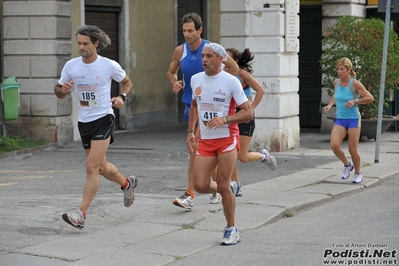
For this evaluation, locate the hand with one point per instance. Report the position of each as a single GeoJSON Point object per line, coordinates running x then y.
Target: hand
{"type": "Point", "coordinates": [177, 86]}
{"type": "Point", "coordinates": [191, 145]}
{"type": "Point", "coordinates": [67, 87]}
{"type": "Point", "coordinates": [117, 102]}
{"type": "Point", "coordinates": [215, 122]}
{"type": "Point", "coordinates": [327, 108]}
{"type": "Point", "coordinates": [350, 103]}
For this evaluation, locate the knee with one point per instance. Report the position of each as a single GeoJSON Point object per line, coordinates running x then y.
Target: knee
{"type": "Point", "coordinates": [92, 168]}
{"type": "Point", "coordinates": [224, 187]}
{"type": "Point", "coordinates": [352, 150]}
{"type": "Point", "coordinates": [334, 145]}
{"type": "Point", "coordinates": [200, 187]}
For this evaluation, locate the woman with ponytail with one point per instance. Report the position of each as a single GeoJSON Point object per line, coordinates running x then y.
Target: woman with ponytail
{"type": "Point", "coordinates": [348, 94]}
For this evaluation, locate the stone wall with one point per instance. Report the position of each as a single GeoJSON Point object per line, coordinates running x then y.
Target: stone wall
{"type": "Point", "coordinates": [37, 43]}
{"type": "Point", "coordinates": [271, 32]}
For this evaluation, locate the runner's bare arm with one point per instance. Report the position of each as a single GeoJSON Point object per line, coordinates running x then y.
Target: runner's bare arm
{"type": "Point", "coordinates": [62, 90]}
{"type": "Point", "coordinates": [173, 68]}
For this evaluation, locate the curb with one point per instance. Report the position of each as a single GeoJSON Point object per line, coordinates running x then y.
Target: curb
{"type": "Point", "coordinates": [28, 151]}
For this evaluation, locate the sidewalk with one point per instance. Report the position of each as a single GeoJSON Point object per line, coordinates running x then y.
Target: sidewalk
{"type": "Point", "coordinates": [160, 233]}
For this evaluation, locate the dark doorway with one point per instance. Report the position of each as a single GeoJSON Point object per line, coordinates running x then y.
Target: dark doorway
{"type": "Point", "coordinates": [107, 19]}
{"type": "Point", "coordinates": [184, 7]}
{"type": "Point", "coordinates": [309, 68]}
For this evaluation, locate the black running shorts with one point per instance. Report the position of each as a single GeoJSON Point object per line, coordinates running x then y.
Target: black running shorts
{"type": "Point", "coordinates": [99, 129]}
{"type": "Point", "coordinates": [247, 129]}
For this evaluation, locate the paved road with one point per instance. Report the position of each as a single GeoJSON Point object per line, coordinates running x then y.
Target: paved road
{"type": "Point", "coordinates": [366, 221]}
{"type": "Point", "coordinates": [50, 182]}
{"type": "Point", "coordinates": [36, 189]}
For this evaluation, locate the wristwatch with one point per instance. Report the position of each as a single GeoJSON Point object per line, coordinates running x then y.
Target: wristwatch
{"type": "Point", "coordinates": [123, 95]}
{"type": "Point", "coordinates": [356, 101]}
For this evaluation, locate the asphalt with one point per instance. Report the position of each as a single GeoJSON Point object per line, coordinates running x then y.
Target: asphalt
{"type": "Point", "coordinates": [161, 234]}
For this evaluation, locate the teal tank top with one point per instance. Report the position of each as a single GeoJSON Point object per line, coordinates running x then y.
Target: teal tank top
{"type": "Point", "coordinates": [342, 95]}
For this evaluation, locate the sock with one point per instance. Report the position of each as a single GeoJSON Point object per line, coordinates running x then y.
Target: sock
{"type": "Point", "coordinates": [126, 185]}
{"type": "Point", "coordinates": [263, 157]}
{"type": "Point", "coordinates": [192, 194]}
{"type": "Point", "coordinates": [229, 228]}
{"type": "Point", "coordinates": [84, 213]}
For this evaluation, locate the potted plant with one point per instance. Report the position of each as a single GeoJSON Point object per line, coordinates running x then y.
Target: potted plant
{"type": "Point", "coordinates": [361, 40]}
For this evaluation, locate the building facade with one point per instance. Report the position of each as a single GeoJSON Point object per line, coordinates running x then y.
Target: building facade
{"type": "Point", "coordinates": [38, 37]}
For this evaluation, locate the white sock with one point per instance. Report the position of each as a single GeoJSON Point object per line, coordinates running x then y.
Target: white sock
{"type": "Point", "coordinates": [263, 157]}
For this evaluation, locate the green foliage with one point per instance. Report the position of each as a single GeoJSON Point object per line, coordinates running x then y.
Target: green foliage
{"type": "Point", "coordinates": [8, 144]}
{"type": "Point", "coordinates": [361, 40]}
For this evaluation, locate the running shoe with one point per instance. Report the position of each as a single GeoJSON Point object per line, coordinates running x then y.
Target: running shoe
{"type": "Point", "coordinates": [230, 237]}
{"type": "Point", "coordinates": [358, 178]}
{"type": "Point", "coordinates": [128, 194]}
{"type": "Point", "coordinates": [347, 170]}
{"type": "Point", "coordinates": [185, 201]}
{"type": "Point", "coordinates": [235, 187]}
{"type": "Point", "coordinates": [215, 198]}
{"type": "Point", "coordinates": [75, 218]}
{"type": "Point", "coordinates": [239, 193]}
{"type": "Point", "coordinates": [269, 160]}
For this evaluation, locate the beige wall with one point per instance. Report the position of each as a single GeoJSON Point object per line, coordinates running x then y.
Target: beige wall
{"type": "Point", "coordinates": [214, 20]}
{"type": "Point", "coordinates": [151, 46]}
{"type": "Point", "coordinates": [76, 18]}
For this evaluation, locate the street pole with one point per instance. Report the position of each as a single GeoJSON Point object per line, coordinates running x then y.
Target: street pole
{"type": "Point", "coordinates": [382, 84]}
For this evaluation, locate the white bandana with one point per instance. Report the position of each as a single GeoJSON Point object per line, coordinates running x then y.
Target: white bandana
{"type": "Point", "coordinates": [219, 50]}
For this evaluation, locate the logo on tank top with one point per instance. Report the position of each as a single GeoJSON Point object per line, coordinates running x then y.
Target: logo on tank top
{"type": "Point", "coordinates": [198, 91]}
{"type": "Point", "coordinates": [218, 99]}
{"type": "Point", "coordinates": [219, 92]}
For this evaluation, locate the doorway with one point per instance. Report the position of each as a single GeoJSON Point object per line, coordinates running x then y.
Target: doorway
{"type": "Point", "coordinates": [310, 83]}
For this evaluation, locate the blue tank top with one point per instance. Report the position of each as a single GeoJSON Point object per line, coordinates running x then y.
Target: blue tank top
{"type": "Point", "coordinates": [190, 64]}
{"type": "Point", "coordinates": [245, 87]}
{"type": "Point", "coordinates": [342, 95]}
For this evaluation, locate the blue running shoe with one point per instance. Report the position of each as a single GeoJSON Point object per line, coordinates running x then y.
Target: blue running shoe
{"type": "Point", "coordinates": [230, 237]}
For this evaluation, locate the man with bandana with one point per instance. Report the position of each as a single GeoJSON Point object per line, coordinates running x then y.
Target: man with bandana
{"type": "Point", "coordinates": [187, 58]}
{"type": "Point", "coordinates": [216, 94]}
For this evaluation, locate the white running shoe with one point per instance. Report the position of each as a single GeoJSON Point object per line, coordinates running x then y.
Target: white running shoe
{"type": "Point", "coordinates": [269, 160]}
{"type": "Point", "coordinates": [128, 194]}
{"type": "Point", "coordinates": [230, 237]}
{"type": "Point", "coordinates": [75, 218]}
{"type": "Point", "coordinates": [347, 170]}
{"type": "Point", "coordinates": [358, 178]}
{"type": "Point", "coordinates": [235, 187]}
{"type": "Point", "coordinates": [215, 198]}
{"type": "Point", "coordinates": [239, 193]}
{"type": "Point", "coordinates": [185, 201]}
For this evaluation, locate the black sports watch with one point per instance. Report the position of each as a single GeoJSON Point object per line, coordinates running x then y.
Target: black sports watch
{"type": "Point", "coordinates": [123, 95]}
